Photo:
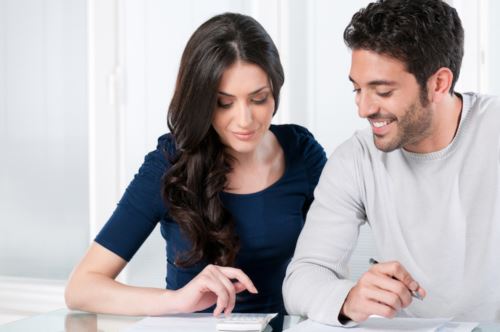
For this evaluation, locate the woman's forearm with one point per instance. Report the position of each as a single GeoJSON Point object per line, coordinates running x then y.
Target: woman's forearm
{"type": "Point", "coordinates": [95, 292]}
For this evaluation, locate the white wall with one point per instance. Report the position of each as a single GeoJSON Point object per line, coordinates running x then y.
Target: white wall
{"type": "Point", "coordinates": [43, 137]}
{"type": "Point", "coordinates": [492, 46]}
{"type": "Point", "coordinates": [44, 226]}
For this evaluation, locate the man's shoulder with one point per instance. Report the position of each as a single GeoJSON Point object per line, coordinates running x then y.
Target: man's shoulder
{"type": "Point", "coordinates": [482, 97]}
{"type": "Point", "coordinates": [482, 104]}
{"type": "Point", "coordinates": [481, 114]}
{"type": "Point", "coordinates": [359, 144]}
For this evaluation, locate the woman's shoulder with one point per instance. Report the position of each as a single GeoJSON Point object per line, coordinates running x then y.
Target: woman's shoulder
{"type": "Point", "coordinates": [166, 143]}
{"type": "Point", "coordinates": [302, 150]}
{"type": "Point", "coordinates": [159, 160]}
{"type": "Point", "coordinates": [295, 137]}
{"type": "Point", "coordinates": [290, 129]}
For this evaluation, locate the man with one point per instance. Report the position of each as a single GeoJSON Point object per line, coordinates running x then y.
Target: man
{"type": "Point", "coordinates": [425, 177]}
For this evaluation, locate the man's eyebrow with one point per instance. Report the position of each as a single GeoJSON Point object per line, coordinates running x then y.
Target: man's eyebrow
{"type": "Point", "coordinates": [251, 93]}
{"type": "Point", "coordinates": [377, 82]}
{"type": "Point", "coordinates": [381, 82]}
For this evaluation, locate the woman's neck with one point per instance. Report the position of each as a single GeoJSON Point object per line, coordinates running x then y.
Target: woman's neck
{"type": "Point", "coordinates": [255, 171]}
{"type": "Point", "coordinates": [262, 154]}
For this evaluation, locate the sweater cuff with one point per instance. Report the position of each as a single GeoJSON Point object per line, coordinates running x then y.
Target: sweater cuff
{"type": "Point", "coordinates": [331, 303]}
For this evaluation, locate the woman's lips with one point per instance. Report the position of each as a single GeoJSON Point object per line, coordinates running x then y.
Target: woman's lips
{"type": "Point", "coordinates": [244, 135]}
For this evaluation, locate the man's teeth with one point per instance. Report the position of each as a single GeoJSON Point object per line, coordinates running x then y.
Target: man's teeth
{"type": "Point", "coordinates": [380, 124]}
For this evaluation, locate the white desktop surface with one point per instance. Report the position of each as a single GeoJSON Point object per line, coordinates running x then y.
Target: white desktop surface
{"type": "Point", "coordinates": [76, 321]}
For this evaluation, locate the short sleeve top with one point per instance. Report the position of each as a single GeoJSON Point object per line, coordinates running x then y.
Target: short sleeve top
{"type": "Point", "coordinates": [268, 222]}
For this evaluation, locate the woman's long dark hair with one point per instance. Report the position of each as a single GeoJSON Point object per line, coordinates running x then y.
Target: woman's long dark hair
{"type": "Point", "coordinates": [193, 184]}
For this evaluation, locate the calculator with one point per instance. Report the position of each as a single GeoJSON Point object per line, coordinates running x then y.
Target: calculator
{"type": "Point", "coordinates": [244, 322]}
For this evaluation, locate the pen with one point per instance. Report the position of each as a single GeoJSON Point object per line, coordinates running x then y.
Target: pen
{"type": "Point", "coordinates": [413, 293]}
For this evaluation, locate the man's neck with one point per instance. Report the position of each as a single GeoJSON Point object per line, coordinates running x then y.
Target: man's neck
{"type": "Point", "coordinates": [445, 123]}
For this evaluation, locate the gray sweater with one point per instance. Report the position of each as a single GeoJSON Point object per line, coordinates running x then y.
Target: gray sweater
{"type": "Point", "coordinates": [438, 214]}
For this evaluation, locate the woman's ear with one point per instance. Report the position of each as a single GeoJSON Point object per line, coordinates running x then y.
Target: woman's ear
{"type": "Point", "coordinates": [439, 84]}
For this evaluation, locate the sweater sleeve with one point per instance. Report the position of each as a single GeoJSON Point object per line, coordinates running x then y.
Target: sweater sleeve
{"type": "Point", "coordinates": [314, 161]}
{"type": "Point", "coordinates": [140, 208]}
{"type": "Point", "coordinates": [316, 283]}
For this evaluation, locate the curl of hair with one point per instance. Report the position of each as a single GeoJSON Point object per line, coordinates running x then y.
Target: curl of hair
{"type": "Point", "coordinates": [424, 34]}
{"type": "Point", "coordinates": [198, 175]}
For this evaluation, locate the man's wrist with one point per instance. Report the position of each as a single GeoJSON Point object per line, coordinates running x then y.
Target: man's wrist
{"type": "Point", "coordinates": [343, 317]}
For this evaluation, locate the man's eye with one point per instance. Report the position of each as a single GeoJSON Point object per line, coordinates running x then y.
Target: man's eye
{"type": "Point", "coordinates": [384, 94]}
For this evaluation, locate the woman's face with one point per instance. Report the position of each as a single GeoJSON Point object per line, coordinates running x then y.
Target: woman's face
{"type": "Point", "coordinates": [245, 107]}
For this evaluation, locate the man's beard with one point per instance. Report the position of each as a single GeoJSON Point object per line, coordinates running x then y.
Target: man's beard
{"type": "Point", "coordinates": [412, 127]}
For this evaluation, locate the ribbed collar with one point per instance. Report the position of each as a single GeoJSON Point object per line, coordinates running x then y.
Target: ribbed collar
{"type": "Point", "coordinates": [468, 100]}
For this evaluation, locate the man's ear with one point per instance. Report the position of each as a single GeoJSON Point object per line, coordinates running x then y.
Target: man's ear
{"type": "Point", "coordinates": [439, 84]}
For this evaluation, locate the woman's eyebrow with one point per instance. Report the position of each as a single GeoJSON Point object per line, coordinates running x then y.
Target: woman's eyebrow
{"type": "Point", "coordinates": [251, 93]}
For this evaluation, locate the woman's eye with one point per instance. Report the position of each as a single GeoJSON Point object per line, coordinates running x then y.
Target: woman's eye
{"type": "Point", "coordinates": [223, 105]}
{"type": "Point", "coordinates": [259, 99]}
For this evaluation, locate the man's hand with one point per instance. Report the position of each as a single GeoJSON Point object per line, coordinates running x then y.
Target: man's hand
{"type": "Point", "coordinates": [383, 290]}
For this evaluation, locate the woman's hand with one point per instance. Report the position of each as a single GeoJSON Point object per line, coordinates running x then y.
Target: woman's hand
{"type": "Point", "coordinates": [92, 287]}
{"type": "Point", "coordinates": [214, 285]}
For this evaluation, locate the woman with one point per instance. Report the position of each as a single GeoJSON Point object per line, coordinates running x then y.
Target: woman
{"type": "Point", "coordinates": [229, 189]}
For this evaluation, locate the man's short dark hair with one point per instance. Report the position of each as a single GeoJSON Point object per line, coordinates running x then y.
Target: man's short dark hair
{"type": "Point", "coordinates": [424, 34]}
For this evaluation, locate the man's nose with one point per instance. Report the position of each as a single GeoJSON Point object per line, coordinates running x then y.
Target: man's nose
{"type": "Point", "coordinates": [366, 105]}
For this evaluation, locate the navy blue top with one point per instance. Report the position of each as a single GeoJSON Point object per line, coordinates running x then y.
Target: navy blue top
{"type": "Point", "coordinates": [268, 222]}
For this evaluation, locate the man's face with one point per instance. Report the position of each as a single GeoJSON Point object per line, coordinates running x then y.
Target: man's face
{"type": "Point", "coordinates": [389, 97]}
